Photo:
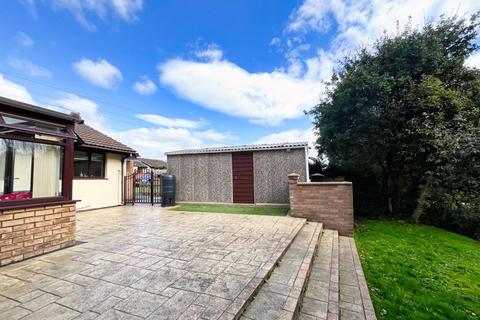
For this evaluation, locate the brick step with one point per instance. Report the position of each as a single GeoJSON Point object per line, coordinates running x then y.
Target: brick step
{"type": "Point", "coordinates": [355, 302]}
{"type": "Point", "coordinates": [280, 296]}
{"type": "Point", "coordinates": [321, 297]}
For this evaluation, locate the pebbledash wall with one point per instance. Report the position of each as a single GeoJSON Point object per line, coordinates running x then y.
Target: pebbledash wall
{"type": "Point", "coordinates": [207, 177]}
{"type": "Point", "coordinates": [330, 203]}
{"type": "Point", "coordinates": [29, 232]}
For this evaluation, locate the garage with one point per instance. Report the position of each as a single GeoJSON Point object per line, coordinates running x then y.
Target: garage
{"type": "Point", "coordinates": [250, 174]}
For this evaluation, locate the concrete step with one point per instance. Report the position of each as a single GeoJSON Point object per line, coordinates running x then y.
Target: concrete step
{"type": "Point", "coordinates": [236, 308]}
{"type": "Point", "coordinates": [280, 296]}
{"type": "Point", "coordinates": [320, 300]}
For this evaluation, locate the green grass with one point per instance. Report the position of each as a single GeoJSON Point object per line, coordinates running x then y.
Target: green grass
{"type": "Point", "coordinates": [419, 272]}
{"type": "Point", "coordinates": [263, 211]}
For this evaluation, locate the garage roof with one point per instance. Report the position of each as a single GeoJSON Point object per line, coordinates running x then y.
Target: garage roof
{"type": "Point", "coordinates": [252, 147]}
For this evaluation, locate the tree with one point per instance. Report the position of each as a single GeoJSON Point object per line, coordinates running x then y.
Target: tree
{"type": "Point", "coordinates": [401, 109]}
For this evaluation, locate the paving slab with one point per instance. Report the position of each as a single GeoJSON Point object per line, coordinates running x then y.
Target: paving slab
{"type": "Point", "coordinates": [144, 262]}
{"type": "Point", "coordinates": [316, 300]}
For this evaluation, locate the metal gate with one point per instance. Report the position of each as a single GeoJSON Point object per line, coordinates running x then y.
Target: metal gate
{"type": "Point", "coordinates": [143, 186]}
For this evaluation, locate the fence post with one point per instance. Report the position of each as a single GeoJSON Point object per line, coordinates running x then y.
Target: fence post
{"type": "Point", "coordinates": [151, 186]}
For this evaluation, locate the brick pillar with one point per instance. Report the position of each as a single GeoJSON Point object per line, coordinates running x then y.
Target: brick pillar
{"type": "Point", "coordinates": [129, 167]}
{"type": "Point", "coordinates": [330, 203]}
{"type": "Point", "coordinates": [293, 178]}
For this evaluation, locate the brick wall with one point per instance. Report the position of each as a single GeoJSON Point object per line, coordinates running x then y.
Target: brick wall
{"type": "Point", "coordinates": [29, 232]}
{"type": "Point", "coordinates": [330, 203]}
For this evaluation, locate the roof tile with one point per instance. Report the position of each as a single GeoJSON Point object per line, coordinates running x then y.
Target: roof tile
{"type": "Point", "coordinates": [93, 138]}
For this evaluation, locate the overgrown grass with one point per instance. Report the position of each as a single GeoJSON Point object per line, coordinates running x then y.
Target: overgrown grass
{"type": "Point", "coordinates": [420, 272]}
{"type": "Point", "coordinates": [265, 211]}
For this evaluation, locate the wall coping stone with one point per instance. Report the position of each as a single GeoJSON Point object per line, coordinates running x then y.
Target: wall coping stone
{"type": "Point", "coordinates": [324, 183]}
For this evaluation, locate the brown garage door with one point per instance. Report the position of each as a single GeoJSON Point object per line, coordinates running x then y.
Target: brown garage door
{"type": "Point", "coordinates": [242, 168]}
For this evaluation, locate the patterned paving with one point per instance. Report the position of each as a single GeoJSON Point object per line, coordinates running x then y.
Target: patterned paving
{"type": "Point", "coordinates": [318, 294]}
{"type": "Point", "coordinates": [145, 262]}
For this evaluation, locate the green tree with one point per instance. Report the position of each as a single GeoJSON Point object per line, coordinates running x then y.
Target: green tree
{"type": "Point", "coordinates": [402, 110]}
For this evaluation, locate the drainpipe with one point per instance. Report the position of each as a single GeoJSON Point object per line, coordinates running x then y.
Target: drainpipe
{"type": "Point", "coordinates": [307, 169]}
{"type": "Point", "coordinates": [122, 179]}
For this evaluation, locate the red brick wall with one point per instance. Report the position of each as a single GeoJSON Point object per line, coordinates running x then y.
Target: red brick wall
{"type": "Point", "coordinates": [330, 203]}
{"type": "Point", "coordinates": [29, 232]}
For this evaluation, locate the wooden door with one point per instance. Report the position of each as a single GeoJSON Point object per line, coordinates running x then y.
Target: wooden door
{"type": "Point", "coordinates": [242, 170]}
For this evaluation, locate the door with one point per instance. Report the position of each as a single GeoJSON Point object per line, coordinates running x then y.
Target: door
{"type": "Point", "coordinates": [242, 171]}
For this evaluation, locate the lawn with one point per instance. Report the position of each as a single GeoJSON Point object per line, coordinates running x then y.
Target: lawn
{"type": "Point", "coordinates": [419, 272]}
{"type": "Point", "coordinates": [262, 211]}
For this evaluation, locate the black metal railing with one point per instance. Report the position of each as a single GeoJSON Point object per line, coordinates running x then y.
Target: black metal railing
{"type": "Point", "coordinates": [143, 186]}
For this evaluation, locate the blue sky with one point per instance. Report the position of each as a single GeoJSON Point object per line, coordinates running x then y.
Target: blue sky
{"type": "Point", "coordinates": [174, 74]}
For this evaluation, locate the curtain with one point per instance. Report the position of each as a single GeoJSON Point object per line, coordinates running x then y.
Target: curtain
{"type": "Point", "coordinates": [47, 171]}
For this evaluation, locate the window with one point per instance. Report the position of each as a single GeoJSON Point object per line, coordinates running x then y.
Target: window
{"type": "Point", "coordinates": [11, 121]}
{"type": "Point", "coordinates": [29, 170]}
{"type": "Point", "coordinates": [88, 164]}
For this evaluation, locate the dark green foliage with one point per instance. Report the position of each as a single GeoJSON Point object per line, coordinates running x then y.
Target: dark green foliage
{"type": "Point", "coordinates": [402, 120]}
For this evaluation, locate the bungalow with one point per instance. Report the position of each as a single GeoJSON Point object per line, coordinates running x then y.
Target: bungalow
{"type": "Point", "coordinates": [98, 164]}
{"type": "Point", "coordinates": [149, 163]}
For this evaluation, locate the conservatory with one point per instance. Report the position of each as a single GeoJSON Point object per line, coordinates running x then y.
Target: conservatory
{"type": "Point", "coordinates": [37, 213]}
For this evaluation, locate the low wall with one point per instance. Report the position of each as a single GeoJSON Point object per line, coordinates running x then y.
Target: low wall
{"type": "Point", "coordinates": [29, 232]}
{"type": "Point", "coordinates": [330, 203]}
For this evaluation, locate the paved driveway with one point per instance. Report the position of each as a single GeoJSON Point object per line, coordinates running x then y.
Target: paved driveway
{"type": "Point", "coordinates": [146, 262]}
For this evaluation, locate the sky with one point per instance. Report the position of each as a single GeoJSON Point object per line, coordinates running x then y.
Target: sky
{"type": "Point", "coordinates": [179, 74]}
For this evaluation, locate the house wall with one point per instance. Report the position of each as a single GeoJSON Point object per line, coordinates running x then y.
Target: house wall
{"type": "Point", "coordinates": [100, 193]}
{"type": "Point", "coordinates": [202, 177]}
{"type": "Point", "coordinates": [270, 171]}
{"type": "Point", "coordinates": [208, 177]}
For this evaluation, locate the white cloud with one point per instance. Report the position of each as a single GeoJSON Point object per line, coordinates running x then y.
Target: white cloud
{"type": "Point", "coordinates": [144, 86]}
{"type": "Point", "coordinates": [264, 98]}
{"type": "Point", "coordinates": [89, 110]}
{"type": "Point", "coordinates": [211, 53]}
{"type": "Point", "coordinates": [127, 9]}
{"type": "Point", "coordinates": [14, 91]}
{"type": "Point", "coordinates": [170, 122]}
{"type": "Point", "coordinates": [360, 22]}
{"type": "Point", "coordinates": [294, 135]}
{"type": "Point", "coordinates": [24, 39]}
{"type": "Point", "coordinates": [473, 61]}
{"type": "Point", "coordinates": [214, 136]}
{"type": "Point", "coordinates": [168, 134]}
{"type": "Point", "coordinates": [29, 68]}
{"type": "Point", "coordinates": [124, 9]}
{"type": "Point", "coordinates": [154, 142]}
{"type": "Point", "coordinates": [275, 41]}
{"type": "Point", "coordinates": [100, 73]}
{"type": "Point", "coordinates": [149, 142]}
{"type": "Point", "coordinates": [310, 15]}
